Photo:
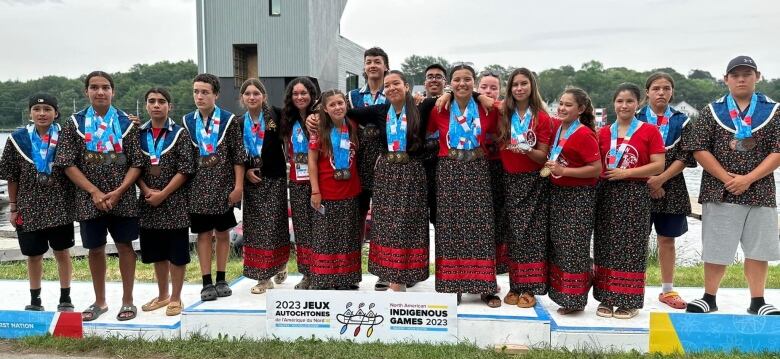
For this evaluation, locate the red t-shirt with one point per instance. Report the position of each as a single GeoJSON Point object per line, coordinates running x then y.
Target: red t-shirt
{"type": "Point", "coordinates": [580, 149]}
{"type": "Point", "coordinates": [441, 121]}
{"type": "Point", "coordinates": [156, 132]}
{"type": "Point", "coordinates": [332, 189]}
{"type": "Point", "coordinates": [646, 141]}
{"type": "Point", "coordinates": [541, 129]}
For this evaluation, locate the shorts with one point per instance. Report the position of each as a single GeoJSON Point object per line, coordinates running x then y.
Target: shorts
{"type": "Point", "coordinates": [725, 225]}
{"type": "Point", "coordinates": [669, 225]}
{"type": "Point", "coordinates": [201, 223]}
{"type": "Point", "coordinates": [36, 243]}
{"type": "Point", "coordinates": [171, 245]}
{"type": "Point", "coordinates": [94, 231]}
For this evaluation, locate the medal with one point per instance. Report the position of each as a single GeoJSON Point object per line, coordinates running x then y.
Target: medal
{"type": "Point", "coordinates": [743, 145]}
{"type": "Point", "coordinates": [256, 162]}
{"type": "Point", "coordinates": [346, 175]}
{"type": "Point", "coordinates": [524, 146]}
{"type": "Point", "coordinates": [155, 170]}
{"type": "Point", "coordinates": [44, 179]}
{"type": "Point", "coordinates": [545, 172]}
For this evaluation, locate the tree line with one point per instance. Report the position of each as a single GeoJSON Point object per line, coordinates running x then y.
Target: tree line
{"type": "Point", "coordinates": [697, 88]}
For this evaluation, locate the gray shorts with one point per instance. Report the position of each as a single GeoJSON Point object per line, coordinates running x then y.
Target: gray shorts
{"type": "Point", "coordinates": [725, 225]}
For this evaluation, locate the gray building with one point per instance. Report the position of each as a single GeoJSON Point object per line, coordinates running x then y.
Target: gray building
{"type": "Point", "coordinates": [277, 41]}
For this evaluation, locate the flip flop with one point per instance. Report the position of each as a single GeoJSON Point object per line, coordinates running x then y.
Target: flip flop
{"type": "Point", "coordinates": [567, 311]}
{"type": "Point", "coordinates": [262, 286]}
{"type": "Point", "coordinates": [526, 300]}
{"type": "Point", "coordinates": [127, 309]}
{"type": "Point", "coordinates": [491, 300]}
{"type": "Point", "coordinates": [65, 307]}
{"type": "Point", "coordinates": [155, 304]}
{"type": "Point", "coordinates": [174, 308]}
{"type": "Point", "coordinates": [94, 312]}
{"type": "Point", "coordinates": [623, 313]}
{"type": "Point", "coordinates": [381, 285]}
{"type": "Point", "coordinates": [605, 311]}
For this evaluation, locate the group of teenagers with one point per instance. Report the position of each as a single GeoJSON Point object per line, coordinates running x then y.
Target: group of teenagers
{"type": "Point", "coordinates": [508, 187]}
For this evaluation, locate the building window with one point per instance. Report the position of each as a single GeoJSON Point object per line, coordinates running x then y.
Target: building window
{"type": "Point", "coordinates": [352, 81]}
{"type": "Point", "coordinates": [244, 63]}
{"type": "Point", "coordinates": [275, 7]}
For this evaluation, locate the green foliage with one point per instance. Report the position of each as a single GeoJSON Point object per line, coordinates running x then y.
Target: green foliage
{"type": "Point", "coordinates": [130, 87]}
{"type": "Point", "coordinates": [698, 88]}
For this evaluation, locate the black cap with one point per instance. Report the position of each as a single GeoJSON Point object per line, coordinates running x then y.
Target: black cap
{"type": "Point", "coordinates": [43, 98]}
{"type": "Point", "coordinates": [741, 61]}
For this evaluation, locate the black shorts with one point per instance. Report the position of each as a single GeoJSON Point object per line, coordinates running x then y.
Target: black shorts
{"type": "Point", "coordinates": [171, 245]}
{"type": "Point", "coordinates": [669, 225]}
{"type": "Point", "coordinates": [122, 229]}
{"type": "Point", "coordinates": [36, 243]}
{"type": "Point", "coordinates": [200, 223]}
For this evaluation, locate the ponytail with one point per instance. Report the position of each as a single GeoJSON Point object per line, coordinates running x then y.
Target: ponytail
{"type": "Point", "coordinates": [587, 117]}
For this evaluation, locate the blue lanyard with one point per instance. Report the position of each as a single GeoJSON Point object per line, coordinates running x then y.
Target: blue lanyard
{"type": "Point", "coordinates": [155, 151]}
{"type": "Point", "coordinates": [208, 140]}
{"type": "Point", "coordinates": [396, 130]}
{"type": "Point", "coordinates": [298, 138]}
{"type": "Point", "coordinates": [520, 127]}
{"type": "Point", "coordinates": [743, 125]}
{"type": "Point", "coordinates": [616, 154]}
{"type": "Point", "coordinates": [369, 100]}
{"type": "Point", "coordinates": [339, 140]}
{"type": "Point", "coordinates": [560, 142]}
{"type": "Point", "coordinates": [254, 135]}
{"type": "Point", "coordinates": [662, 123]}
{"type": "Point", "coordinates": [464, 128]}
{"type": "Point", "coordinates": [103, 134]}
{"type": "Point", "coordinates": [43, 150]}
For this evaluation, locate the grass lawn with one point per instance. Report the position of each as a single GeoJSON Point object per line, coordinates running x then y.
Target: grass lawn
{"type": "Point", "coordinates": [311, 348]}
{"type": "Point", "coordinates": [691, 276]}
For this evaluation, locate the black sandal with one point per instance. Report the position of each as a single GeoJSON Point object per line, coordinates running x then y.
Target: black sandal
{"type": "Point", "coordinates": [208, 293]}
{"type": "Point", "coordinates": [491, 300]}
{"type": "Point", "coordinates": [65, 307]}
{"type": "Point", "coordinates": [223, 289]}
{"type": "Point", "coordinates": [33, 308]}
{"type": "Point", "coordinates": [127, 309]}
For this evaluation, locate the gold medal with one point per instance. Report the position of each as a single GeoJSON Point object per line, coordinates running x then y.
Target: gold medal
{"type": "Point", "coordinates": [155, 170]}
{"type": "Point", "coordinates": [545, 172]}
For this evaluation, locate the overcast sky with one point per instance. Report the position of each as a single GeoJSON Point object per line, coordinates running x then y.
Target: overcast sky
{"type": "Point", "coordinates": [73, 37]}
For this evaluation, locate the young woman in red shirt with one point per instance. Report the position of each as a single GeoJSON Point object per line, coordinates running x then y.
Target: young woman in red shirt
{"type": "Point", "coordinates": [573, 166]}
{"type": "Point", "coordinates": [335, 186]}
{"type": "Point", "coordinates": [465, 243]}
{"type": "Point", "coordinates": [524, 132]}
{"type": "Point", "coordinates": [631, 151]}
{"type": "Point", "coordinates": [299, 100]}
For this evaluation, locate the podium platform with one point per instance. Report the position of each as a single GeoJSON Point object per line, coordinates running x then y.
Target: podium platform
{"type": "Point", "coordinates": [243, 315]}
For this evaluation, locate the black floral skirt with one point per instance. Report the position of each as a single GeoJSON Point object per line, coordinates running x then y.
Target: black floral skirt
{"type": "Point", "coordinates": [266, 230]}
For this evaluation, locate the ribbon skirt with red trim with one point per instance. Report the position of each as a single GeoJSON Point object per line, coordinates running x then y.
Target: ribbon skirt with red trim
{"type": "Point", "coordinates": [465, 245]}
{"type": "Point", "coordinates": [300, 204]}
{"type": "Point", "coordinates": [525, 215]}
{"type": "Point", "coordinates": [571, 213]}
{"type": "Point", "coordinates": [620, 243]}
{"type": "Point", "coordinates": [399, 232]}
{"type": "Point", "coordinates": [499, 215]}
{"type": "Point", "coordinates": [266, 231]}
{"type": "Point", "coordinates": [335, 246]}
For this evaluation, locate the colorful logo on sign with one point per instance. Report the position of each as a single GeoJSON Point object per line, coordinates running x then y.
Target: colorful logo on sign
{"type": "Point", "coordinates": [359, 318]}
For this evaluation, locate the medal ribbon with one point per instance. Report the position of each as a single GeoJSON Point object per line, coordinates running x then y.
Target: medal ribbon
{"type": "Point", "coordinates": [396, 130]}
{"type": "Point", "coordinates": [616, 154]}
{"type": "Point", "coordinates": [661, 121]}
{"type": "Point", "coordinates": [339, 139]}
{"type": "Point", "coordinates": [369, 100]}
{"type": "Point", "coordinates": [254, 134]}
{"type": "Point", "coordinates": [743, 125]}
{"type": "Point", "coordinates": [102, 134]}
{"type": "Point", "coordinates": [208, 139]}
{"type": "Point", "coordinates": [155, 151]}
{"type": "Point", "coordinates": [298, 139]}
{"type": "Point", "coordinates": [464, 128]}
{"type": "Point", "coordinates": [43, 149]}
{"type": "Point", "coordinates": [559, 142]}
{"type": "Point", "coordinates": [520, 126]}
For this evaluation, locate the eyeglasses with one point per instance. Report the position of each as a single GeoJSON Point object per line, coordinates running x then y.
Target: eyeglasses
{"type": "Point", "coordinates": [436, 77]}
{"type": "Point", "coordinates": [488, 73]}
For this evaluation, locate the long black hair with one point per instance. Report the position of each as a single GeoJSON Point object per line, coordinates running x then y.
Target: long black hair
{"type": "Point", "coordinates": [290, 113]}
{"type": "Point", "coordinates": [582, 98]}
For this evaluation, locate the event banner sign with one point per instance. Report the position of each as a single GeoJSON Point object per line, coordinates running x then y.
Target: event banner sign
{"type": "Point", "coordinates": [19, 324]}
{"type": "Point", "coordinates": [362, 316]}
